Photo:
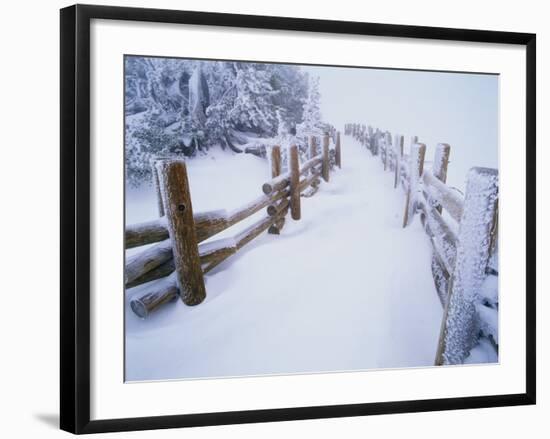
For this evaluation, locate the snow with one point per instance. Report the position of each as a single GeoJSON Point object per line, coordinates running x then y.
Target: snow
{"type": "Point", "coordinates": [489, 290]}
{"type": "Point", "coordinates": [488, 320]}
{"type": "Point", "coordinates": [483, 352]}
{"type": "Point", "coordinates": [344, 288]}
{"type": "Point", "coordinates": [216, 183]}
{"type": "Point", "coordinates": [218, 244]}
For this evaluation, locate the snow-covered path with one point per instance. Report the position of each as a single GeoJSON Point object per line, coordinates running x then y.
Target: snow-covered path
{"type": "Point", "coordinates": [344, 288]}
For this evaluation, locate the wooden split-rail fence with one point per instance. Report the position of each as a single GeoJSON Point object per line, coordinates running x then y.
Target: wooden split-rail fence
{"type": "Point", "coordinates": [181, 257]}
{"type": "Point", "coordinates": [463, 231]}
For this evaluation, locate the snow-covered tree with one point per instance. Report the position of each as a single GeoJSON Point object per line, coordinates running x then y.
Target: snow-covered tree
{"type": "Point", "coordinates": [187, 106]}
{"type": "Point", "coordinates": [311, 116]}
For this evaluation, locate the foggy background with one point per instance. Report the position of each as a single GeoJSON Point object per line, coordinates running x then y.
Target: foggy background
{"type": "Point", "coordinates": [455, 108]}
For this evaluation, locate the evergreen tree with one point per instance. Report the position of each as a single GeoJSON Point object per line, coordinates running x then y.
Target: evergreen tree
{"type": "Point", "coordinates": [180, 106]}
{"type": "Point", "coordinates": [312, 119]}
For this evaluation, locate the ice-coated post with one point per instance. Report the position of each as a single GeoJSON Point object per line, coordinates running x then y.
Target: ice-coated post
{"type": "Point", "coordinates": [398, 147]}
{"type": "Point", "coordinates": [294, 167]}
{"type": "Point", "coordinates": [181, 229]}
{"type": "Point", "coordinates": [338, 156]}
{"type": "Point", "coordinates": [441, 162]}
{"type": "Point", "coordinates": [416, 167]}
{"type": "Point", "coordinates": [326, 164]}
{"type": "Point", "coordinates": [275, 161]}
{"type": "Point", "coordinates": [459, 326]}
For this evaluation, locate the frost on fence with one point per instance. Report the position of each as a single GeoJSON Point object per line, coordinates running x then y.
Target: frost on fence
{"type": "Point", "coordinates": [416, 167]}
{"type": "Point", "coordinates": [473, 250]}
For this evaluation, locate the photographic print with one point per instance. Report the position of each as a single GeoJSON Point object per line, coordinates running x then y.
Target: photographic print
{"type": "Point", "coordinates": [305, 218]}
{"type": "Point", "coordinates": [293, 219]}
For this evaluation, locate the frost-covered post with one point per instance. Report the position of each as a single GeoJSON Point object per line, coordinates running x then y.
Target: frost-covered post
{"type": "Point", "coordinates": [181, 229]}
{"type": "Point", "coordinates": [387, 149]}
{"type": "Point", "coordinates": [275, 229]}
{"type": "Point", "coordinates": [441, 162]}
{"type": "Point", "coordinates": [326, 163]}
{"type": "Point", "coordinates": [156, 185]}
{"type": "Point", "coordinates": [338, 156]}
{"type": "Point", "coordinates": [398, 147]}
{"type": "Point", "coordinates": [312, 147]}
{"type": "Point", "coordinates": [460, 324]}
{"type": "Point", "coordinates": [294, 169]}
{"type": "Point", "coordinates": [416, 167]}
{"type": "Point", "coordinates": [275, 161]}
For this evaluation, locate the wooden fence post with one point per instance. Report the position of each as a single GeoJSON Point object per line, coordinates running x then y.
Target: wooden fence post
{"type": "Point", "coordinates": [416, 163]}
{"type": "Point", "coordinates": [459, 327]}
{"type": "Point", "coordinates": [181, 229]}
{"type": "Point", "coordinates": [440, 273]}
{"type": "Point", "coordinates": [338, 156]}
{"type": "Point", "coordinates": [275, 229]}
{"type": "Point", "coordinates": [441, 162]}
{"type": "Point", "coordinates": [294, 167]}
{"type": "Point", "coordinates": [398, 157]}
{"type": "Point", "coordinates": [326, 164]}
{"type": "Point", "coordinates": [275, 161]}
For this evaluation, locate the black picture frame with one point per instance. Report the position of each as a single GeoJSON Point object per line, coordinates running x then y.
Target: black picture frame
{"type": "Point", "coordinates": [75, 217]}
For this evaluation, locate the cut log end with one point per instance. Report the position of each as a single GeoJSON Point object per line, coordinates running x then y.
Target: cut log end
{"type": "Point", "coordinates": [139, 308]}
{"type": "Point", "coordinates": [146, 304]}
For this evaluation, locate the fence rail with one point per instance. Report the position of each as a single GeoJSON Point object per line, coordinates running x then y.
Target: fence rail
{"type": "Point", "coordinates": [177, 256]}
{"type": "Point", "coordinates": [462, 231]}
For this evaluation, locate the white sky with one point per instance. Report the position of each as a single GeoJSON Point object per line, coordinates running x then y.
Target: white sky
{"type": "Point", "coordinates": [455, 108]}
